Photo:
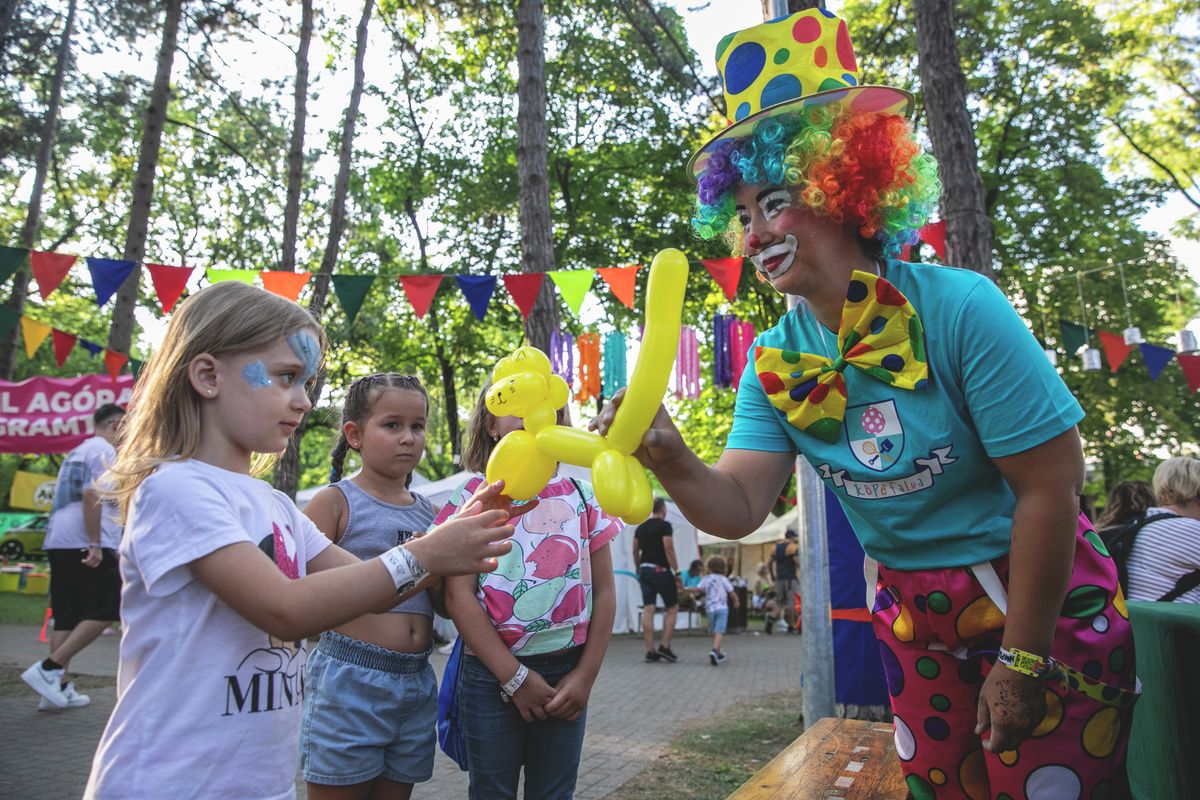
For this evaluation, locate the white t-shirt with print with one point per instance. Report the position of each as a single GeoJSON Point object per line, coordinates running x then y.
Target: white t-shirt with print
{"type": "Point", "coordinates": [716, 591]}
{"type": "Point", "coordinates": [82, 468]}
{"type": "Point", "coordinates": [208, 706]}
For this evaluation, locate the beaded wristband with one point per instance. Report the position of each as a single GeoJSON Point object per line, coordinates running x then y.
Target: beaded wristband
{"type": "Point", "coordinates": [1025, 663]}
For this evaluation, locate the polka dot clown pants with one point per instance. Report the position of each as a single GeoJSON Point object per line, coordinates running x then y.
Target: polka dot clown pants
{"type": "Point", "coordinates": [939, 632]}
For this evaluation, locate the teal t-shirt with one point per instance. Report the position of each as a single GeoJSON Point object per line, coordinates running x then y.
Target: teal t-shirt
{"type": "Point", "coordinates": [914, 469]}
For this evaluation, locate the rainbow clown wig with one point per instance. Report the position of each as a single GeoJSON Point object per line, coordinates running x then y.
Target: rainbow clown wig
{"type": "Point", "coordinates": [853, 167]}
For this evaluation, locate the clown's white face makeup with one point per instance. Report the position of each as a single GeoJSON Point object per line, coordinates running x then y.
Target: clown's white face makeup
{"type": "Point", "coordinates": [772, 258]}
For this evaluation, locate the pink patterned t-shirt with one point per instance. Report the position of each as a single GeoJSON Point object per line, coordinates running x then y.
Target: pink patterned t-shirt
{"type": "Point", "coordinates": [539, 598]}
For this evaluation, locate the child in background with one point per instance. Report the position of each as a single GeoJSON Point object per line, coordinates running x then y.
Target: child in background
{"type": "Point", "coordinates": [535, 631]}
{"type": "Point", "coordinates": [370, 702]}
{"type": "Point", "coordinates": [718, 597]}
{"type": "Point", "coordinates": [224, 579]}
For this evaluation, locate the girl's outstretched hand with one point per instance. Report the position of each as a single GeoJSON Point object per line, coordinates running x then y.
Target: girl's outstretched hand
{"type": "Point", "coordinates": [468, 543]}
{"type": "Point", "coordinates": [489, 497]}
{"type": "Point", "coordinates": [661, 442]}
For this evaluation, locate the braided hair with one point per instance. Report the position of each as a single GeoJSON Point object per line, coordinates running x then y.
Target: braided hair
{"type": "Point", "coordinates": [360, 399]}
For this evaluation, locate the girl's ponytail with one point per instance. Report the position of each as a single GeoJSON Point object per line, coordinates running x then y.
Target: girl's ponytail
{"type": "Point", "coordinates": [338, 458]}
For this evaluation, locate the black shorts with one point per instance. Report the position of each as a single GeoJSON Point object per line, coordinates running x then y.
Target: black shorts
{"type": "Point", "coordinates": [79, 593]}
{"type": "Point", "coordinates": [658, 581]}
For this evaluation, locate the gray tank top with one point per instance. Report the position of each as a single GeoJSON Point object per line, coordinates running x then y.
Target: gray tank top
{"type": "Point", "coordinates": [375, 527]}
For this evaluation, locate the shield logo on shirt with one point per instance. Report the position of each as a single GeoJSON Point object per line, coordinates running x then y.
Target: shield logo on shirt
{"type": "Point", "coordinates": [875, 434]}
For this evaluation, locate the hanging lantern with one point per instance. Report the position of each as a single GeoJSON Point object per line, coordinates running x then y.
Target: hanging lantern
{"type": "Point", "coordinates": [1187, 342]}
{"type": "Point", "coordinates": [1091, 359]}
{"type": "Point", "coordinates": [1052, 356]}
{"type": "Point", "coordinates": [1133, 335]}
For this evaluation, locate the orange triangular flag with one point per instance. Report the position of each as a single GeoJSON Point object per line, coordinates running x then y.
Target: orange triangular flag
{"type": "Point", "coordinates": [114, 362]}
{"type": "Point", "coordinates": [50, 269]}
{"type": "Point", "coordinates": [622, 281]}
{"type": "Point", "coordinates": [169, 283]}
{"type": "Point", "coordinates": [64, 343]}
{"type": "Point", "coordinates": [35, 333]}
{"type": "Point", "coordinates": [284, 283]}
{"type": "Point", "coordinates": [420, 290]}
{"type": "Point", "coordinates": [1115, 349]}
{"type": "Point", "coordinates": [726, 272]}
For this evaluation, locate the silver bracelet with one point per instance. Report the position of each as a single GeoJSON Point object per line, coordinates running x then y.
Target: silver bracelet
{"type": "Point", "coordinates": [405, 569]}
{"type": "Point", "coordinates": [516, 681]}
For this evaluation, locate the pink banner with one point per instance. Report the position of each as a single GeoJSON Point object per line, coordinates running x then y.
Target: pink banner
{"type": "Point", "coordinates": [53, 415]}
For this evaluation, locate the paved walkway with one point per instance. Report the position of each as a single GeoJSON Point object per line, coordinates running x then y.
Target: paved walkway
{"type": "Point", "coordinates": [636, 710]}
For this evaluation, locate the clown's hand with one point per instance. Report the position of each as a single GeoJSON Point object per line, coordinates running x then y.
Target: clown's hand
{"type": "Point", "coordinates": [661, 443]}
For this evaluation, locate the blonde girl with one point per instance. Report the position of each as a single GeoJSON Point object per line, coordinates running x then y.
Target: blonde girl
{"type": "Point", "coordinates": [224, 579]}
{"type": "Point", "coordinates": [370, 701]}
{"type": "Point", "coordinates": [535, 630]}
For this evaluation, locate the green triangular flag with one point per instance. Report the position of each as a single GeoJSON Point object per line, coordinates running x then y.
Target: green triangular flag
{"type": "Point", "coordinates": [136, 367]}
{"type": "Point", "coordinates": [219, 275]}
{"type": "Point", "coordinates": [10, 259]}
{"type": "Point", "coordinates": [573, 285]}
{"type": "Point", "coordinates": [1073, 336]}
{"type": "Point", "coordinates": [8, 320]}
{"type": "Point", "coordinates": [351, 290]}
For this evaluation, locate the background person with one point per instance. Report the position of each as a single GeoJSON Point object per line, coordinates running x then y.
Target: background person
{"type": "Point", "coordinates": [654, 554]}
{"type": "Point", "coordinates": [784, 568]}
{"type": "Point", "coordinates": [1167, 551]}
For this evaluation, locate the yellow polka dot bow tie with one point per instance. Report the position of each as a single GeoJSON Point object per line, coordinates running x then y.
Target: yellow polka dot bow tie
{"type": "Point", "coordinates": [880, 334]}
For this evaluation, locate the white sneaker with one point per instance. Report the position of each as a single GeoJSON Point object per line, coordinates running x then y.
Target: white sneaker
{"type": "Point", "coordinates": [74, 699]}
{"type": "Point", "coordinates": [720, 657]}
{"type": "Point", "coordinates": [47, 683]}
{"type": "Point", "coordinates": [713, 658]}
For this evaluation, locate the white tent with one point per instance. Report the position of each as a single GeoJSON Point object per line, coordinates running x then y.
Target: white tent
{"type": "Point", "coordinates": [754, 548]}
{"type": "Point", "coordinates": [629, 593]}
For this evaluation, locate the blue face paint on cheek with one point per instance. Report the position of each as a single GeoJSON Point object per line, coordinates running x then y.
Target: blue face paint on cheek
{"type": "Point", "coordinates": [255, 374]}
{"type": "Point", "coordinates": [306, 349]}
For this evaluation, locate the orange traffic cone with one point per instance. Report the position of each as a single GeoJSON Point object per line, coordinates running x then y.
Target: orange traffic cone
{"type": "Point", "coordinates": [42, 637]}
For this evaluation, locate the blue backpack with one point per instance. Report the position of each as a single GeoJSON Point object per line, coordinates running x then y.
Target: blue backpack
{"type": "Point", "coordinates": [449, 727]}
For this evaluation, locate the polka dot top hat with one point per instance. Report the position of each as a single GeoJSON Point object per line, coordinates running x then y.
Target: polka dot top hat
{"type": "Point", "coordinates": [789, 63]}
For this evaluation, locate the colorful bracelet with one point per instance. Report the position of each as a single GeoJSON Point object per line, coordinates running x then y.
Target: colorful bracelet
{"type": "Point", "coordinates": [1025, 663]}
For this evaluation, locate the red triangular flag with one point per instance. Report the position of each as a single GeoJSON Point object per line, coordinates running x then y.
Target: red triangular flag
{"type": "Point", "coordinates": [50, 269]}
{"type": "Point", "coordinates": [622, 281]}
{"type": "Point", "coordinates": [1115, 349]}
{"type": "Point", "coordinates": [64, 343]}
{"type": "Point", "coordinates": [1191, 369]}
{"type": "Point", "coordinates": [726, 272]}
{"type": "Point", "coordinates": [114, 362]}
{"type": "Point", "coordinates": [524, 288]}
{"type": "Point", "coordinates": [284, 283]}
{"type": "Point", "coordinates": [934, 235]}
{"type": "Point", "coordinates": [420, 290]}
{"type": "Point", "coordinates": [169, 283]}
{"type": "Point", "coordinates": [905, 252]}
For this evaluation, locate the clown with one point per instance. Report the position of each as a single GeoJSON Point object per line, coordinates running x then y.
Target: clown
{"type": "Point", "coordinates": [925, 404]}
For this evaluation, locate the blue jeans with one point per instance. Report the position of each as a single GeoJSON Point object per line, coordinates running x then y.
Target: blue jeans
{"type": "Point", "coordinates": [500, 741]}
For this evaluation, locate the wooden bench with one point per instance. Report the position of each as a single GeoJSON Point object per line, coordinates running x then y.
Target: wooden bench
{"type": "Point", "coordinates": [836, 758]}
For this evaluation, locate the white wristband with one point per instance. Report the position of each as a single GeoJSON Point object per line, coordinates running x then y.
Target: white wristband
{"type": "Point", "coordinates": [517, 680]}
{"type": "Point", "coordinates": [403, 566]}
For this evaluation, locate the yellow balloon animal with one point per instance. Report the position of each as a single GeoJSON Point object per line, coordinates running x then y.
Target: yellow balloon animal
{"type": "Point", "coordinates": [523, 386]}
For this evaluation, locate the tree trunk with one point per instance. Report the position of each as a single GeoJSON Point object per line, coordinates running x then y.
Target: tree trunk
{"type": "Point", "coordinates": [33, 216]}
{"type": "Point", "coordinates": [8, 11]}
{"type": "Point", "coordinates": [295, 172]}
{"type": "Point", "coordinates": [770, 10]}
{"type": "Point", "coordinates": [537, 237]}
{"type": "Point", "coordinates": [968, 228]}
{"type": "Point", "coordinates": [121, 334]}
{"type": "Point", "coordinates": [287, 470]}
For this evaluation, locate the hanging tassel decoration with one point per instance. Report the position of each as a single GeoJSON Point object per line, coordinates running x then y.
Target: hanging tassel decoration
{"type": "Point", "coordinates": [562, 355]}
{"type": "Point", "coordinates": [722, 366]}
{"type": "Point", "coordinates": [687, 365]}
{"type": "Point", "coordinates": [615, 371]}
{"type": "Point", "coordinates": [589, 367]}
{"type": "Point", "coordinates": [742, 335]}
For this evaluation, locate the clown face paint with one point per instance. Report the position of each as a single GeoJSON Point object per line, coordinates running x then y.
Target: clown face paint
{"type": "Point", "coordinates": [775, 259]}
{"type": "Point", "coordinates": [255, 374]}
{"type": "Point", "coordinates": [306, 349]}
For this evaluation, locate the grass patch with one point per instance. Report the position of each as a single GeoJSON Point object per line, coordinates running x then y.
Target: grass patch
{"type": "Point", "coordinates": [22, 609]}
{"type": "Point", "coordinates": [713, 757]}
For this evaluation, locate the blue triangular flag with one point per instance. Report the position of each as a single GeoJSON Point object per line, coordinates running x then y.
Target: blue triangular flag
{"type": "Point", "coordinates": [107, 276]}
{"type": "Point", "coordinates": [478, 291]}
{"type": "Point", "coordinates": [1156, 358]}
{"type": "Point", "coordinates": [91, 347]}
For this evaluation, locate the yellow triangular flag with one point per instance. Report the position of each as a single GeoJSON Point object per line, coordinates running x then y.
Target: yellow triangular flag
{"type": "Point", "coordinates": [35, 333]}
{"type": "Point", "coordinates": [573, 285]}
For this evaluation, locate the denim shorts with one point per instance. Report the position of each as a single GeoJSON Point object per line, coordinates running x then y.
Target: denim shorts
{"type": "Point", "coordinates": [368, 712]}
{"type": "Point", "coordinates": [717, 619]}
{"type": "Point", "coordinates": [658, 581]}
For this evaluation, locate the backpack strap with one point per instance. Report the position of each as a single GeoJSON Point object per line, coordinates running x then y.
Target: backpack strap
{"type": "Point", "coordinates": [1185, 584]}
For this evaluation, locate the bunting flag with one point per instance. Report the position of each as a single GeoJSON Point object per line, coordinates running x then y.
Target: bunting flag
{"type": "Point", "coordinates": [49, 270]}
{"type": "Point", "coordinates": [1190, 365]}
{"type": "Point", "coordinates": [169, 283]}
{"type": "Point", "coordinates": [622, 282]}
{"type": "Point", "coordinates": [8, 320]}
{"type": "Point", "coordinates": [524, 288]}
{"type": "Point", "coordinates": [906, 252]}
{"type": "Point", "coordinates": [351, 290]}
{"type": "Point", "coordinates": [114, 362]}
{"type": "Point", "coordinates": [478, 290]}
{"type": "Point", "coordinates": [615, 367]}
{"type": "Point", "coordinates": [1073, 336]}
{"type": "Point", "coordinates": [420, 290]}
{"type": "Point", "coordinates": [727, 272]}
{"type": "Point", "coordinates": [215, 275]}
{"type": "Point", "coordinates": [11, 259]}
{"type": "Point", "coordinates": [934, 235]}
{"type": "Point", "coordinates": [1156, 358]}
{"type": "Point", "coordinates": [573, 285]}
{"type": "Point", "coordinates": [589, 366]}
{"type": "Point", "coordinates": [284, 283]}
{"type": "Point", "coordinates": [107, 276]}
{"type": "Point", "coordinates": [1115, 349]}
{"type": "Point", "coordinates": [35, 333]}
{"type": "Point", "coordinates": [135, 366]}
{"type": "Point", "coordinates": [64, 343]}
{"type": "Point", "coordinates": [92, 348]}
